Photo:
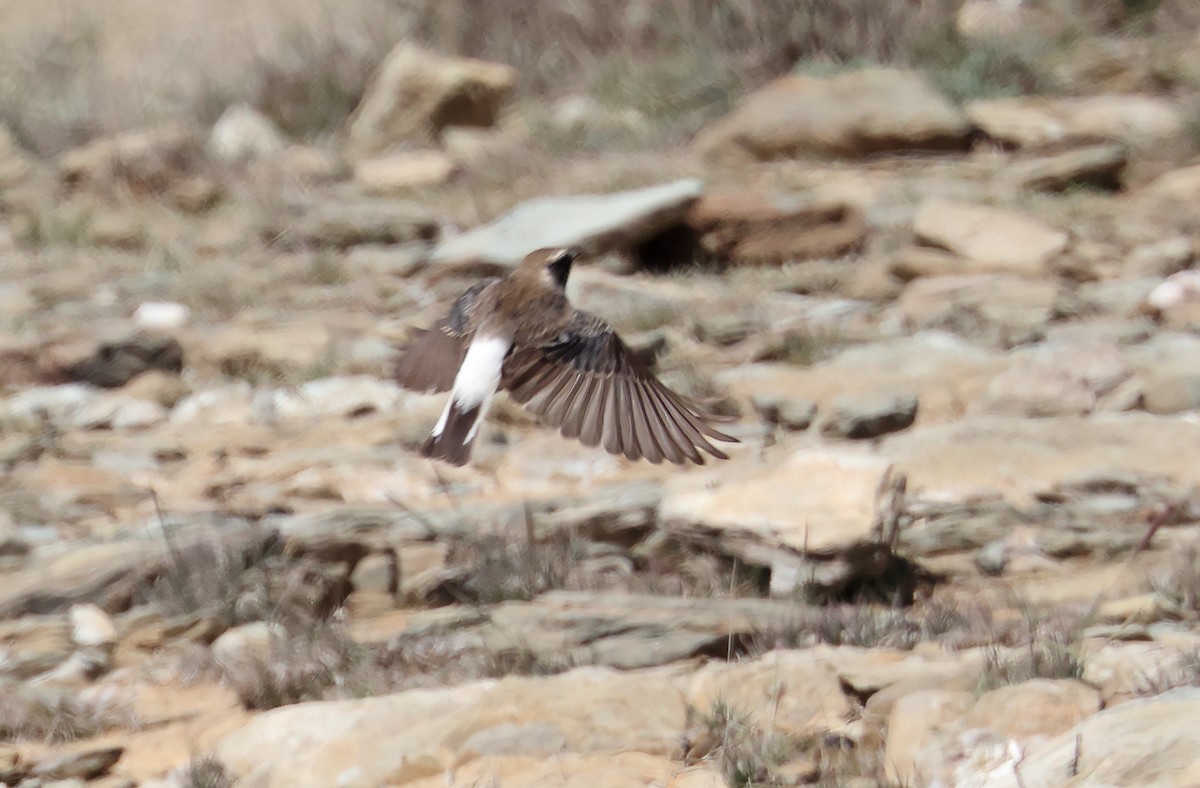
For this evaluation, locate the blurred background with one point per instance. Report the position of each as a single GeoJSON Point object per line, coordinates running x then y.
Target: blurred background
{"type": "Point", "coordinates": [72, 71]}
{"type": "Point", "coordinates": [934, 259]}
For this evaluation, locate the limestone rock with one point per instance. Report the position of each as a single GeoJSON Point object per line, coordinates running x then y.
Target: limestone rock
{"type": "Point", "coordinates": [990, 240]}
{"type": "Point", "coordinates": [1040, 707]}
{"type": "Point", "coordinates": [84, 765]}
{"type": "Point", "coordinates": [1033, 122]}
{"type": "Point", "coordinates": [118, 229]}
{"type": "Point", "coordinates": [981, 456]}
{"type": "Point", "coordinates": [330, 224]}
{"type": "Point", "coordinates": [621, 630]}
{"type": "Point", "coordinates": [91, 627]}
{"type": "Point", "coordinates": [941, 370]}
{"type": "Point", "coordinates": [920, 741]}
{"type": "Point", "coordinates": [145, 161]}
{"type": "Point", "coordinates": [1179, 185]}
{"type": "Point", "coordinates": [1093, 166]}
{"type": "Point", "coordinates": [1124, 670]}
{"type": "Point", "coordinates": [421, 733]}
{"type": "Point", "coordinates": [337, 397]}
{"type": "Point", "coordinates": [853, 114]}
{"type": "Point", "coordinates": [570, 770]}
{"type": "Point", "coordinates": [57, 404]}
{"type": "Point", "coordinates": [830, 505]}
{"type": "Point", "coordinates": [863, 420]}
{"type": "Point", "coordinates": [757, 228]}
{"type": "Point", "coordinates": [243, 134]}
{"type": "Point", "coordinates": [1161, 258]}
{"type": "Point", "coordinates": [1168, 393]}
{"type": "Point", "coordinates": [1112, 747]}
{"type": "Point", "coordinates": [301, 165]}
{"type": "Point", "coordinates": [597, 222]}
{"type": "Point", "coordinates": [983, 21]}
{"type": "Point", "coordinates": [791, 414]}
{"type": "Point", "coordinates": [161, 315]}
{"type": "Point", "coordinates": [261, 353]}
{"type": "Point", "coordinates": [1049, 380]}
{"type": "Point", "coordinates": [417, 94]}
{"type": "Point", "coordinates": [399, 172]}
{"type": "Point", "coordinates": [119, 411]}
{"type": "Point", "coordinates": [1004, 308]}
{"type": "Point", "coordinates": [797, 693]}
{"type": "Point", "coordinates": [244, 652]}
{"type": "Point", "coordinates": [1176, 299]}
{"type": "Point", "coordinates": [588, 122]}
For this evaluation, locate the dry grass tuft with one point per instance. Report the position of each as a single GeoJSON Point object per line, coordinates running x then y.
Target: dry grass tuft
{"type": "Point", "coordinates": [313, 661]}
{"type": "Point", "coordinates": [746, 754]}
{"type": "Point", "coordinates": [206, 772]}
{"type": "Point", "coordinates": [445, 659]}
{"type": "Point", "coordinates": [55, 714]}
{"type": "Point", "coordinates": [1049, 650]}
{"type": "Point", "coordinates": [1180, 583]}
{"type": "Point", "coordinates": [68, 79]}
{"type": "Point", "coordinates": [222, 578]}
{"type": "Point", "coordinates": [495, 568]}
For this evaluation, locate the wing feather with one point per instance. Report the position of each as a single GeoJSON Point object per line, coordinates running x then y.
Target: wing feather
{"type": "Point", "coordinates": [430, 360]}
{"type": "Point", "coordinates": [585, 381]}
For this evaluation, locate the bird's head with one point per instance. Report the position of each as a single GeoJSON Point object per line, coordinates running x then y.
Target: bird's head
{"type": "Point", "coordinates": [550, 266]}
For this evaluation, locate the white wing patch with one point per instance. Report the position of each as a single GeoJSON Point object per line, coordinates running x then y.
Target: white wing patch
{"type": "Point", "coordinates": [477, 378]}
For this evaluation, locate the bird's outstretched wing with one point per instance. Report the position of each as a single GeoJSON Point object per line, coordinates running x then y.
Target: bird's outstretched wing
{"type": "Point", "coordinates": [585, 381]}
{"type": "Point", "coordinates": [430, 360]}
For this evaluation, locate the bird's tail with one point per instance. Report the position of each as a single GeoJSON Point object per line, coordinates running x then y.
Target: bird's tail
{"type": "Point", "coordinates": [474, 385]}
{"type": "Point", "coordinates": [458, 429]}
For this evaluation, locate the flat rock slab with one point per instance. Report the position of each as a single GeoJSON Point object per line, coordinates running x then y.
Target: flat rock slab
{"type": "Point", "coordinates": [571, 770]}
{"type": "Point", "coordinates": [107, 574]}
{"type": "Point", "coordinates": [341, 225]}
{"type": "Point", "coordinates": [1151, 741]}
{"type": "Point", "coordinates": [756, 228]}
{"type": "Point", "coordinates": [84, 765]}
{"type": "Point", "coordinates": [812, 501]}
{"type": "Point", "coordinates": [616, 629]}
{"type": "Point", "coordinates": [794, 692]}
{"type": "Point", "coordinates": [1018, 457]}
{"type": "Point", "coordinates": [417, 94]}
{"type": "Point", "coordinates": [397, 738]}
{"type": "Point", "coordinates": [989, 239]}
{"type": "Point", "coordinates": [613, 512]}
{"type": "Point", "coordinates": [597, 222]}
{"type": "Point", "coordinates": [1033, 122]}
{"type": "Point", "coordinates": [1094, 166]}
{"type": "Point", "coordinates": [855, 113]}
{"type": "Point", "coordinates": [941, 370]}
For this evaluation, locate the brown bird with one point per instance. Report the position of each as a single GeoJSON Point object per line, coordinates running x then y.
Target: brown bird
{"type": "Point", "coordinates": [520, 334]}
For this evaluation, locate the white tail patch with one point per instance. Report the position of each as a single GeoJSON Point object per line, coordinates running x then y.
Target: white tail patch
{"type": "Point", "coordinates": [477, 379]}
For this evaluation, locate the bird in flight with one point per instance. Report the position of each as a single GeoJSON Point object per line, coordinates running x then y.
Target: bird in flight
{"type": "Point", "coordinates": [520, 334]}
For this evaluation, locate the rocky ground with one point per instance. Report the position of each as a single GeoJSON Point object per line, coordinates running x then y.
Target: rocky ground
{"type": "Point", "coordinates": [955, 329]}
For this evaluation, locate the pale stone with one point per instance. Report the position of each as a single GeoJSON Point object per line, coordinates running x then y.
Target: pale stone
{"type": "Point", "coordinates": [797, 693]}
{"type": "Point", "coordinates": [599, 222]}
{"type": "Point", "coordinates": [243, 134]}
{"type": "Point", "coordinates": [416, 94]}
{"type": "Point", "coordinates": [830, 501]}
{"type": "Point", "coordinates": [1031, 122]}
{"type": "Point", "coordinates": [91, 626]}
{"type": "Point", "coordinates": [992, 240]}
{"type": "Point", "coordinates": [854, 113]}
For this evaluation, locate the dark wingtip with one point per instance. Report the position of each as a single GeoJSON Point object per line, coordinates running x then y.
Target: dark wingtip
{"type": "Point", "coordinates": [446, 451]}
